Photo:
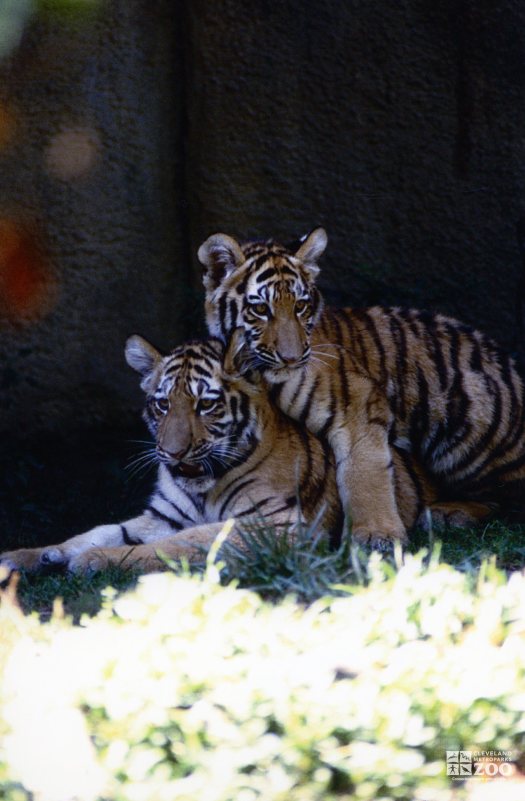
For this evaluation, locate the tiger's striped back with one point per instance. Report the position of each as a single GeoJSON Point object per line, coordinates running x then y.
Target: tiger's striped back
{"type": "Point", "coordinates": [453, 399]}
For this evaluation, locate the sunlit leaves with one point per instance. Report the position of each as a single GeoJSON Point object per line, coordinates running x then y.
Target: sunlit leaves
{"type": "Point", "coordinates": [192, 690]}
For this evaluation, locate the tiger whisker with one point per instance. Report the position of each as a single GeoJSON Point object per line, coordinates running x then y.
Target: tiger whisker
{"type": "Point", "coordinates": [226, 455]}
{"type": "Point", "coordinates": [334, 345]}
{"type": "Point", "coordinates": [317, 360]}
{"type": "Point", "coordinates": [226, 442]}
{"type": "Point", "coordinates": [207, 467]}
{"type": "Point", "coordinates": [318, 352]}
{"type": "Point", "coordinates": [144, 457]}
{"type": "Point", "coordinates": [141, 468]}
{"type": "Point", "coordinates": [225, 445]}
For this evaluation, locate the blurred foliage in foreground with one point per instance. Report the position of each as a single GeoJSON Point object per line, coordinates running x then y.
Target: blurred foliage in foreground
{"type": "Point", "coordinates": [185, 689]}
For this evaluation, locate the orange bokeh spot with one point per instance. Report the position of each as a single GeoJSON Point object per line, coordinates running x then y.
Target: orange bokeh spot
{"type": "Point", "coordinates": [27, 286]}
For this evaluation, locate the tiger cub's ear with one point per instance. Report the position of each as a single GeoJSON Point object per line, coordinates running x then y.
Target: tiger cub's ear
{"type": "Point", "coordinates": [142, 357]}
{"type": "Point", "coordinates": [312, 248]}
{"type": "Point", "coordinates": [236, 359]}
{"type": "Point", "coordinates": [220, 255]}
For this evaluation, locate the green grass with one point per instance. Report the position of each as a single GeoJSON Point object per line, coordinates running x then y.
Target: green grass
{"type": "Point", "coordinates": [79, 595]}
{"type": "Point", "coordinates": [278, 565]}
{"type": "Point", "coordinates": [51, 489]}
{"type": "Point", "coordinates": [465, 549]}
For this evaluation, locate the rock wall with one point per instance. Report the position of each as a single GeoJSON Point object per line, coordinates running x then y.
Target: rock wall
{"type": "Point", "coordinates": [127, 140]}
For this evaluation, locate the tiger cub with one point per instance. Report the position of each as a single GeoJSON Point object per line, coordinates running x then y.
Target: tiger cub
{"type": "Point", "coordinates": [369, 379]}
{"type": "Point", "coordinates": [224, 450]}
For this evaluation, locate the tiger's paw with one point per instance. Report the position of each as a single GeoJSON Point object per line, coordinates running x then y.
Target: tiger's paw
{"type": "Point", "coordinates": [33, 560]}
{"type": "Point", "coordinates": [379, 540]}
{"type": "Point", "coordinates": [455, 514]}
{"type": "Point", "coordinates": [88, 562]}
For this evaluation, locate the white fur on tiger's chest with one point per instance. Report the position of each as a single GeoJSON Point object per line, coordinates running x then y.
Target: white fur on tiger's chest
{"type": "Point", "coordinates": [181, 498]}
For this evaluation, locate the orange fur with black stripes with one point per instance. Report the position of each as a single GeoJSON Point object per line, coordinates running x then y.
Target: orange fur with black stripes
{"type": "Point", "coordinates": [224, 450]}
{"type": "Point", "coordinates": [370, 379]}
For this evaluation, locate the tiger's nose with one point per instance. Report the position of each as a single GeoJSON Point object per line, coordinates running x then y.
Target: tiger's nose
{"type": "Point", "coordinates": [288, 358]}
{"type": "Point", "coordinates": [174, 455]}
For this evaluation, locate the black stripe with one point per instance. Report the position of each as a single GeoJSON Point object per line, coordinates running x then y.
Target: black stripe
{"type": "Point", "coordinates": [189, 352]}
{"type": "Point", "coordinates": [400, 346]}
{"type": "Point", "coordinates": [172, 523]}
{"type": "Point", "coordinates": [308, 401]}
{"type": "Point", "coordinates": [235, 491]}
{"type": "Point", "coordinates": [260, 260]}
{"type": "Point", "coordinates": [319, 485]}
{"type": "Point", "coordinates": [174, 505]}
{"type": "Point", "coordinates": [253, 508]}
{"type": "Point", "coordinates": [276, 392]}
{"type": "Point", "coordinates": [233, 313]}
{"type": "Point", "coordinates": [410, 317]}
{"type": "Point", "coordinates": [419, 419]}
{"type": "Point", "coordinates": [476, 363]}
{"type": "Point", "coordinates": [201, 371]}
{"type": "Point", "coordinates": [371, 327]}
{"type": "Point", "coordinates": [343, 381]}
{"type": "Point", "coordinates": [265, 274]}
{"type": "Point", "coordinates": [129, 540]}
{"type": "Point", "coordinates": [296, 393]}
{"type": "Point", "coordinates": [515, 429]}
{"type": "Point", "coordinates": [475, 452]}
{"type": "Point", "coordinates": [458, 425]}
{"type": "Point", "coordinates": [325, 428]}
{"type": "Point", "coordinates": [408, 464]}
{"type": "Point", "coordinates": [253, 469]}
{"type": "Point", "coordinates": [286, 508]}
{"type": "Point", "coordinates": [243, 419]}
{"type": "Point", "coordinates": [493, 454]}
{"type": "Point", "coordinates": [439, 360]}
{"type": "Point", "coordinates": [432, 335]}
{"type": "Point", "coordinates": [499, 472]}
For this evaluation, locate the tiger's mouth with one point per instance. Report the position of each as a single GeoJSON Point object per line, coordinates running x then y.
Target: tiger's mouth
{"type": "Point", "coordinates": [271, 362]}
{"type": "Point", "coordinates": [281, 372]}
{"type": "Point", "coordinates": [187, 470]}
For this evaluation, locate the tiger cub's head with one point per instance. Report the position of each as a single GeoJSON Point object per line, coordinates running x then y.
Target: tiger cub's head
{"type": "Point", "coordinates": [202, 412]}
{"type": "Point", "coordinates": [269, 292]}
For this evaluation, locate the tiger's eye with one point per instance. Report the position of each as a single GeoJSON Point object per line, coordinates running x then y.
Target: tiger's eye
{"type": "Point", "coordinates": [205, 404]}
{"type": "Point", "coordinates": [260, 308]}
{"type": "Point", "coordinates": [301, 306]}
{"type": "Point", "coordinates": [162, 405]}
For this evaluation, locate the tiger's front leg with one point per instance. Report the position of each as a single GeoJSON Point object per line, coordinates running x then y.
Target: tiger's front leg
{"type": "Point", "coordinates": [191, 544]}
{"type": "Point", "coordinates": [364, 467]}
{"type": "Point", "coordinates": [138, 530]}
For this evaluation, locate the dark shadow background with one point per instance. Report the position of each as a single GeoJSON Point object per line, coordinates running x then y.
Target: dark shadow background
{"type": "Point", "coordinates": [130, 133]}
